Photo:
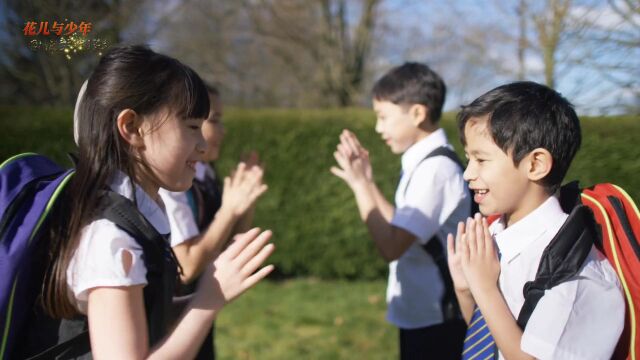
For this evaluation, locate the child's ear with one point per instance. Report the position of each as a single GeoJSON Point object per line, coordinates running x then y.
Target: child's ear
{"type": "Point", "coordinates": [418, 114]}
{"type": "Point", "coordinates": [129, 126]}
{"type": "Point", "coordinates": [539, 165]}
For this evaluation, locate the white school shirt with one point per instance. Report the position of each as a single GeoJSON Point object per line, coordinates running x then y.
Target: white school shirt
{"type": "Point", "coordinates": [97, 261]}
{"type": "Point", "coordinates": [435, 200]}
{"type": "Point", "coordinates": [578, 319]}
{"type": "Point", "coordinates": [183, 223]}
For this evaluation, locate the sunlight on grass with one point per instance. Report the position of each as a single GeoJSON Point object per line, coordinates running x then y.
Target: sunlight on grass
{"type": "Point", "coordinates": [308, 319]}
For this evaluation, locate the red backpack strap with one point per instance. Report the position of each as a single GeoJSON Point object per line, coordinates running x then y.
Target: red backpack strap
{"type": "Point", "coordinates": [619, 219]}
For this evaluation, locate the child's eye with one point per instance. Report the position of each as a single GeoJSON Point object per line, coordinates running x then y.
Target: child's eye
{"type": "Point", "coordinates": [194, 127]}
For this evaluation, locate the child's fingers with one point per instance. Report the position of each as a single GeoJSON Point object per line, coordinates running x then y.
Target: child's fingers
{"type": "Point", "coordinates": [489, 247]}
{"type": "Point", "coordinates": [226, 183]}
{"type": "Point", "coordinates": [463, 250]}
{"type": "Point", "coordinates": [338, 172]}
{"type": "Point", "coordinates": [459, 235]}
{"type": "Point", "coordinates": [257, 192]}
{"type": "Point", "coordinates": [450, 246]}
{"type": "Point", "coordinates": [479, 234]}
{"type": "Point", "coordinates": [470, 236]}
{"type": "Point", "coordinates": [344, 149]}
{"type": "Point", "coordinates": [240, 241]}
{"type": "Point", "coordinates": [252, 248]}
{"type": "Point", "coordinates": [259, 275]}
{"type": "Point", "coordinates": [256, 261]}
{"type": "Point", "coordinates": [341, 160]}
{"type": "Point", "coordinates": [350, 143]}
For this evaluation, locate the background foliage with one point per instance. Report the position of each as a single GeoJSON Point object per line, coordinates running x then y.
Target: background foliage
{"type": "Point", "coordinates": [312, 213]}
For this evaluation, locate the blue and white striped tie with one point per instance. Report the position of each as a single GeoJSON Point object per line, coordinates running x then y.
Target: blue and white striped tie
{"type": "Point", "coordinates": [478, 343]}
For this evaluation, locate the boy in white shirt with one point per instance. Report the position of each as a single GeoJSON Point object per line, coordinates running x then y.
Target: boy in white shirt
{"type": "Point", "coordinates": [430, 200]}
{"type": "Point", "coordinates": [520, 139]}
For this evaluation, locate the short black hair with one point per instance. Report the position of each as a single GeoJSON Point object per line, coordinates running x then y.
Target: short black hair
{"type": "Point", "coordinates": [523, 116]}
{"type": "Point", "coordinates": [412, 83]}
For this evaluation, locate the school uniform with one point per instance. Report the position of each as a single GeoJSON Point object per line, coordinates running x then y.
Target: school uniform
{"type": "Point", "coordinates": [578, 319]}
{"type": "Point", "coordinates": [190, 213]}
{"type": "Point", "coordinates": [98, 259]}
{"type": "Point", "coordinates": [430, 200]}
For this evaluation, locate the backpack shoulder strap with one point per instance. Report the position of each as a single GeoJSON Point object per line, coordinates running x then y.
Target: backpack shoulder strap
{"type": "Point", "coordinates": [561, 260]}
{"type": "Point", "coordinates": [440, 151]}
{"type": "Point", "coordinates": [160, 261]}
{"type": "Point", "coordinates": [447, 152]}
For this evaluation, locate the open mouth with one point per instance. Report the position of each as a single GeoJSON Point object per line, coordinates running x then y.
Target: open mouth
{"type": "Point", "coordinates": [479, 195]}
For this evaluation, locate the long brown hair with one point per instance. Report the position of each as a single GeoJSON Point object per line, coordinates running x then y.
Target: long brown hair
{"type": "Point", "coordinates": [128, 77]}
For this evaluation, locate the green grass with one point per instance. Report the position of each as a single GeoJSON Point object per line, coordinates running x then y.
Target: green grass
{"type": "Point", "coordinates": [308, 319]}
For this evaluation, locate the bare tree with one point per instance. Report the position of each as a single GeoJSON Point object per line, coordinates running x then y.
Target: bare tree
{"type": "Point", "coordinates": [336, 48]}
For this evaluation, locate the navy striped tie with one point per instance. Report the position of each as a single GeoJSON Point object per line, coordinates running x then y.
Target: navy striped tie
{"type": "Point", "coordinates": [478, 343]}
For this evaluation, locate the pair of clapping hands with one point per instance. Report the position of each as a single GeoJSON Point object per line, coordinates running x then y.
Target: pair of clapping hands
{"type": "Point", "coordinates": [244, 185]}
{"type": "Point", "coordinates": [472, 255]}
{"type": "Point", "coordinates": [353, 160]}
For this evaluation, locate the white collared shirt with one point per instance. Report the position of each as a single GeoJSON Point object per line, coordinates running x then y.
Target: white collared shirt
{"type": "Point", "coordinates": [98, 259]}
{"type": "Point", "coordinates": [431, 199]}
{"type": "Point", "coordinates": [181, 218]}
{"type": "Point", "coordinates": [578, 319]}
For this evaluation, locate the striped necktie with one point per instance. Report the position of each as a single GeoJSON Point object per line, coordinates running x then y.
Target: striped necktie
{"type": "Point", "coordinates": [478, 343]}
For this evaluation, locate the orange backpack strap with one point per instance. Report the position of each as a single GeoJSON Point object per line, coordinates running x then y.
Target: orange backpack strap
{"type": "Point", "coordinates": [619, 221]}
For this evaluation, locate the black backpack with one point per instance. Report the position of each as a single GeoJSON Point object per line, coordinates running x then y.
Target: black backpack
{"type": "Point", "coordinates": [449, 302]}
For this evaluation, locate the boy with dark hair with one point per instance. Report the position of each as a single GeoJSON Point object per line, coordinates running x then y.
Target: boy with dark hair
{"type": "Point", "coordinates": [431, 198]}
{"type": "Point", "coordinates": [520, 139]}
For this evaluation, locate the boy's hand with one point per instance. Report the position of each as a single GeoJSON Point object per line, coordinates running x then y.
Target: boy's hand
{"type": "Point", "coordinates": [454, 259]}
{"type": "Point", "coordinates": [234, 270]}
{"type": "Point", "coordinates": [242, 189]}
{"type": "Point", "coordinates": [353, 159]}
{"type": "Point", "coordinates": [480, 263]}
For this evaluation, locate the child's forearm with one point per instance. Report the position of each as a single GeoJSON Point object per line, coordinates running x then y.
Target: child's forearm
{"type": "Point", "coordinates": [504, 328]}
{"type": "Point", "coordinates": [385, 207]}
{"type": "Point", "coordinates": [245, 221]}
{"type": "Point", "coordinates": [196, 253]}
{"type": "Point", "coordinates": [466, 303]}
{"type": "Point", "coordinates": [192, 328]}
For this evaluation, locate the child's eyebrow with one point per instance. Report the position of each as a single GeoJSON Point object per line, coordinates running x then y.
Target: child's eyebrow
{"type": "Point", "coordinates": [476, 152]}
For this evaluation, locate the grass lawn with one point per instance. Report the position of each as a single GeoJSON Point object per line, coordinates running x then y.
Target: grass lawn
{"type": "Point", "coordinates": [308, 319]}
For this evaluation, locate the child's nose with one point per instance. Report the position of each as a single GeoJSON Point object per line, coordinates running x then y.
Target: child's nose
{"type": "Point", "coordinates": [469, 173]}
{"type": "Point", "coordinates": [378, 127]}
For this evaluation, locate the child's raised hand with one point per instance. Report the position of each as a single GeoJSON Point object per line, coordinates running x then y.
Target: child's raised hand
{"type": "Point", "coordinates": [236, 269]}
{"type": "Point", "coordinates": [454, 259]}
{"type": "Point", "coordinates": [242, 189]}
{"type": "Point", "coordinates": [480, 263]}
{"type": "Point", "coordinates": [353, 160]}
{"type": "Point", "coordinates": [252, 159]}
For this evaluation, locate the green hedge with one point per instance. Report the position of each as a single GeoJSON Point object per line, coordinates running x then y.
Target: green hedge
{"type": "Point", "coordinates": [312, 213]}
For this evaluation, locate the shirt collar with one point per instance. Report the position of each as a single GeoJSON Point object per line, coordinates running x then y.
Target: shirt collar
{"type": "Point", "coordinates": [418, 151]}
{"type": "Point", "coordinates": [513, 240]}
{"type": "Point", "coordinates": [152, 211]}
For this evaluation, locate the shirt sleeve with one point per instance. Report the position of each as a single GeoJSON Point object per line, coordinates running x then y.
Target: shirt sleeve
{"type": "Point", "coordinates": [431, 197]}
{"type": "Point", "coordinates": [97, 261]}
{"type": "Point", "coordinates": [578, 319]}
{"type": "Point", "coordinates": [181, 219]}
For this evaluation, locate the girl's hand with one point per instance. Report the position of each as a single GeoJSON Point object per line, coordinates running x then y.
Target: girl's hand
{"type": "Point", "coordinates": [454, 259]}
{"type": "Point", "coordinates": [252, 159]}
{"type": "Point", "coordinates": [480, 263]}
{"type": "Point", "coordinates": [242, 189]}
{"type": "Point", "coordinates": [234, 270]}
